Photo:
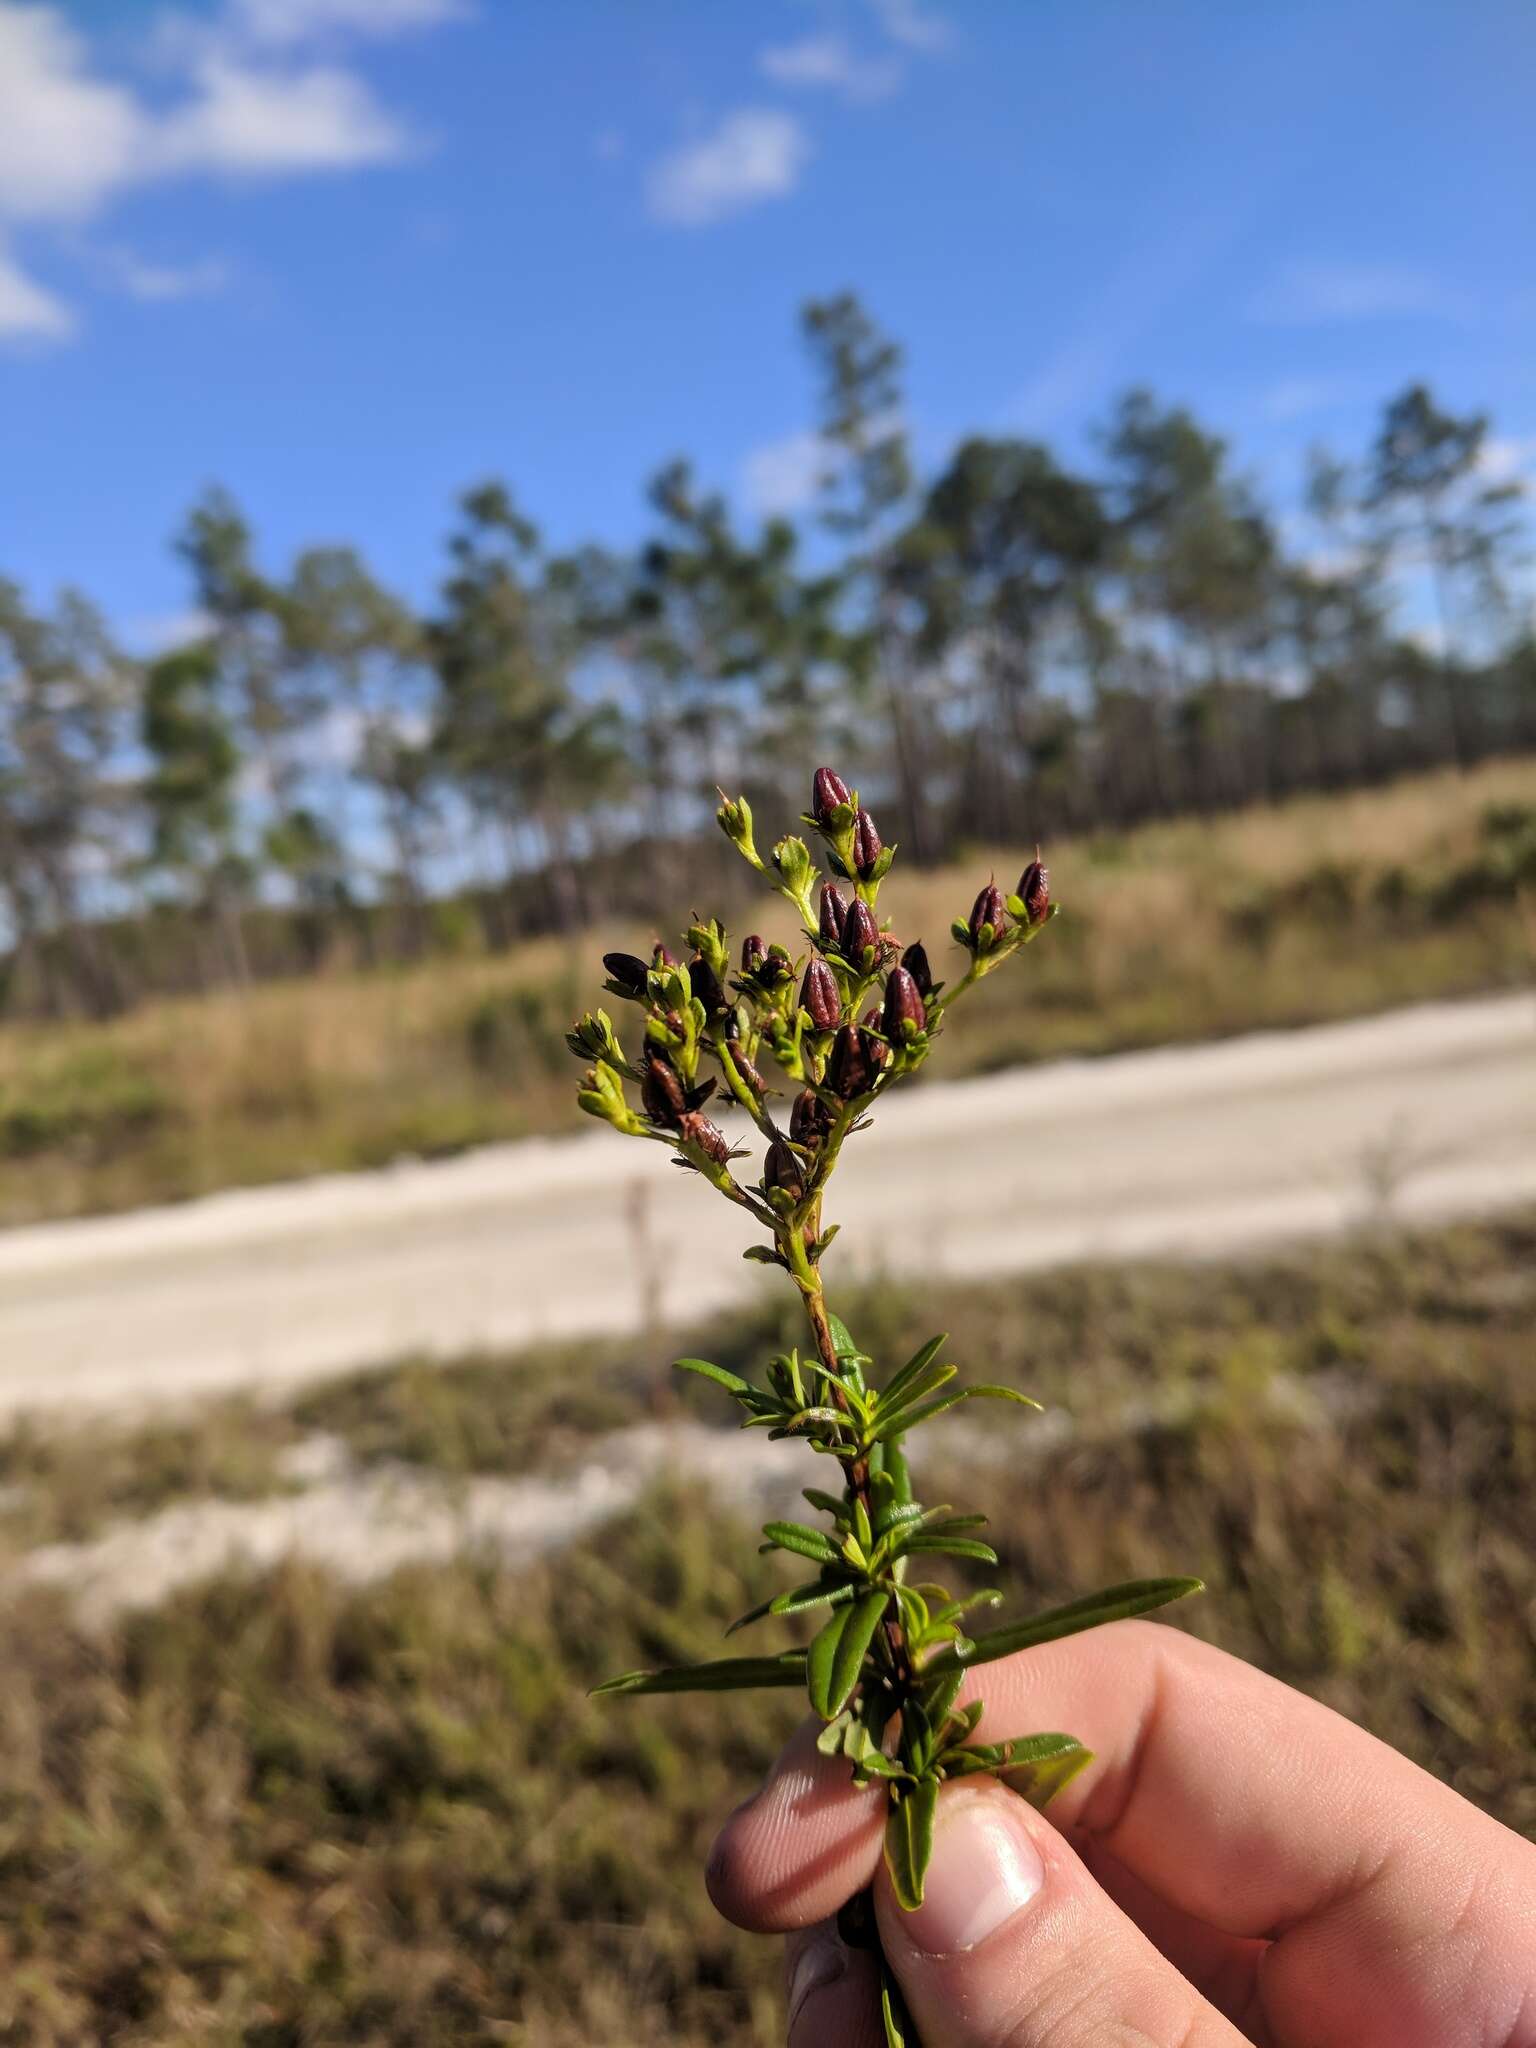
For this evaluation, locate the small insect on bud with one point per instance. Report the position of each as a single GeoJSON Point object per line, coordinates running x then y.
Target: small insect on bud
{"type": "Point", "coordinates": [819, 997]}
{"type": "Point", "coordinates": [915, 961]}
{"type": "Point", "coordinates": [867, 845]}
{"type": "Point", "coordinates": [710, 1139]}
{"type": "Point", "coordinates": [988, 909]}
{"type": "Point", "coordinates": [702, 983]}
{"type": "Point", "coordinates": [809, 1119]}
{"type": "Point", "coordinates": [753, 954]}
{"type": "Point", "coordinates": [783, 1171]}
{"type": "Point", "coordinates": [861, 934]}
{"type": "Point", "coordinates": [828, 790]}
{"type": "Point", "coordinates": [626, 972]}
{"type": "Point", "coordinates": [1035, 889]}
{"type": "Point", "coordinates": [662, 1093]}
{"type": "Point", "coordinates": [834, 909]}
{"type": "Point", "coordinates": [903, 1016]}
{"type": "Point", "coordinates": [853, 1063]}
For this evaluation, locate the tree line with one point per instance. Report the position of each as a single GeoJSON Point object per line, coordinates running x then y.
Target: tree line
{"type": "Point", "coordinates": [1008, 648]}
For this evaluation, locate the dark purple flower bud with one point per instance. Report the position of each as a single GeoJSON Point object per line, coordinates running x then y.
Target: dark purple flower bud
{"type": "Point", "coordinates": [745, 1068]}
{"type": "Point", "coordinates": [698, 1130]}
{"type": "Point", "coordinates": [702, 982]}
{"type": "Point", "coordinates": [809, 1119]}
{"type": "Point", "coordinates": [819, 997]}
{"type": "Point", "coordinates": [903, 1015]}
{"type": "Point", "coordinates": [861, 934]}
{"type": "Point", "coordinates": [852, 1065]}
{"type": "Point", "coordinates": [627, 972]}
{"type": "Point", "coordinates": [915, 961]}
{"type": "Point", "coordinates": [827, 792]}
{"type": "Point", "coordinates": [1035, 888]}
{"type": "Point", "coordinates": [753, 954]}
{"type": "Point", "coordinates": [783, 1169]}
{"type": "Point", "coordinates": [662, 1093]}
{"type": "Point", "coordinates": [776, 969]}
{"type": "Point", "coordinates": [988, 909]}
{"type": "Point", "coordinates": [834, 909]}
{"type": "Point", "coordinates": [867, 846]}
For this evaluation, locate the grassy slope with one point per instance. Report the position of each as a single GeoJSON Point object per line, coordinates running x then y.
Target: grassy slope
{"type": "Point", "coordinates": [281, 1813]}
{"type": "Point", "coordinates": [1323, 908]}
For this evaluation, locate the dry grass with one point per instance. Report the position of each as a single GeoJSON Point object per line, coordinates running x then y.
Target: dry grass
{"type": "Point", "coordinates": [1321, 908]}
{"type": "Point", "coordinates": [276, 1813]}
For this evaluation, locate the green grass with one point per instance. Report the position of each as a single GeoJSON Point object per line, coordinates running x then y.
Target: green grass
{"type": "Point", "coordinates": [1322, 908]}
{"type": "Point", "coordinates": [277, 1812]}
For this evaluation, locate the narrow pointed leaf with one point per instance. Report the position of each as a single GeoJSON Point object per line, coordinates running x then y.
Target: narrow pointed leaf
{"type": "Point", "coordinates": [804, 1542]}
{"type": "Point", "coordinates": [1040, 1766]}
{"type": "Point", "coordinates": [949, 1546]}
{"type": "Point", "coordinates": [835, 1659]}
{"type": "Point", "coordinates": [726, 1674]}
{"type": "Point", "coordinates": [1115, 1603]}
{"type": "Point", "coordinates": [731, 1381]}
{"type": "Point", "coordinates": [917, 1363]}
{"type": "Point", "coordinates": [909, 1841]}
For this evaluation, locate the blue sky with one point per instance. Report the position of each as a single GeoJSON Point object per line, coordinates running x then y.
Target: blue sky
{"type": "Point", "coordinates": [347, 256]}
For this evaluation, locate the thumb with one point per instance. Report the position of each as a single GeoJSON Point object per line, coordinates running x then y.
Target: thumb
{"type": "Point", "coordinates": [1015, 1946]}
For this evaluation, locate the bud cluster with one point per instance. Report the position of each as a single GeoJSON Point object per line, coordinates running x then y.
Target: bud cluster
{"type": "Point", "coordinates": [855, 1013]}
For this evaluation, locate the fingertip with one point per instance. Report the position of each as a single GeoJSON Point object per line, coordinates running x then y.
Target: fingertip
{"type": "Point", "coordinates": [794, 1851]}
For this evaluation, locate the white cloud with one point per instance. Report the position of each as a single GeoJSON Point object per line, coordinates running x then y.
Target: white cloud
{"type": "Point", "coordinates": [754, 155]}
{"type": "Point", "coordinates": [916, 28]}
{"type": "Point", "coordinates": [160, 632]}
{"type": "Point", "coordinates": [782, 477]}
{"type": "Point", "coordinates": [141, 278]}
{"type": "Point", "coordinates": [1309, 294]}
{"type": "Point", "coordinates": [27, 311]}
{"type": "Point", "coordinates": [1296, 398]}
{"type": "Point", "coordinates": [830, 61]}
{"type": "Point", "coordinates": [258, 123]}
{"type": "Point", "coordinates": [67, 140]}
{"type": "Point", "coordinates": [241, 99]}
{"type": "Point", "coordinates": [297, 21]}
{"type": "Point", "coordinates": [1507, 459]}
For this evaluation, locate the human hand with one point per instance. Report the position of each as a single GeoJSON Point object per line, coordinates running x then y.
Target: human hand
{"type": "Point", "coordinates": [1238, 1863]}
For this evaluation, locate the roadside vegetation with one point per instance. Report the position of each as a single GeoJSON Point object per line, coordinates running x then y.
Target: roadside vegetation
{"type": "Point", "coordinates": [1319, 908]}
{"type": "Point", "coordinates": [280, 1811]}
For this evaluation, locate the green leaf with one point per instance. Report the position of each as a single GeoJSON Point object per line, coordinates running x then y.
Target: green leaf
{"type": "Point", "coordinates": [842, 1343]}
{"type": "Point", "coordinates": [893, 2013]}
{"type": "Point", "coordinates": [795, 1536]}
{"type": "Point", "coordinates": [816, 1593]}
{"type": "Point", "coordinates": [1040, 1766]}
{"type": "Point", "coordinates": [726, 1674]}
{"type": "Point", "coordinates": [827, 1502]}
{"type": "Point", "coordinates": [835, 1659]}
{"type": "Point", "coordinates": [732, 1382]}
{"type": "Point", "coordinates": [917, 1363]}
{"type": "Point", "coordinates": [909, 1418]}
{"type": "Point", "coordinates": [938, 1544]}
{"type": "Point", "coordinates": [909, 1841]}
{"type": "Point", "coordinates": [1114, 1603]}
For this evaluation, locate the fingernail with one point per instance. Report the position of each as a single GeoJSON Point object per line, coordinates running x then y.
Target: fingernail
{"type": "Point", "coordinates": [820, 1963]}
{"type": "Point", "coordinates": [985, 1869]}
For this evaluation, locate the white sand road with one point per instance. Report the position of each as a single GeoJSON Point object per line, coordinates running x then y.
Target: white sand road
{"type": "Point", "coordinates": [1428, 1112]}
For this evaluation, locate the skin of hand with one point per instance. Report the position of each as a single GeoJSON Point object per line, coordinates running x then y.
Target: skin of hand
{"type": "Point", "coordinates": [1237, 1864]}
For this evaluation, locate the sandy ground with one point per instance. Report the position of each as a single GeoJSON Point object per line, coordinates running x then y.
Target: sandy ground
{"type": "Point", "coordinates": [1423, 1114]}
